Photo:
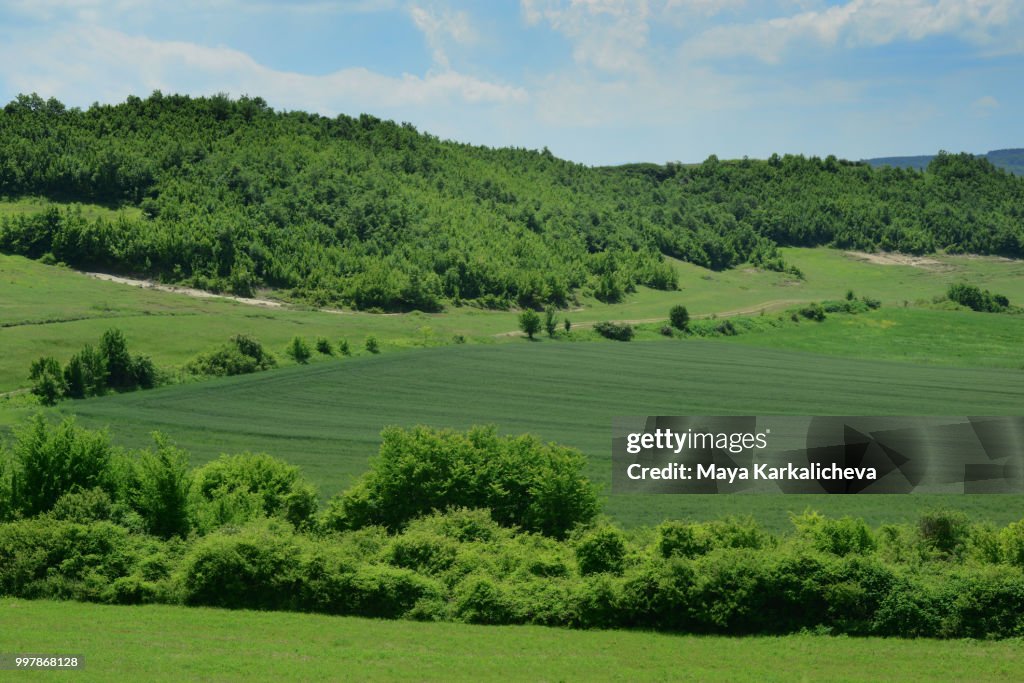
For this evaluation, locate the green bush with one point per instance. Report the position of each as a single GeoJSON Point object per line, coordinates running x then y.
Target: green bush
{"type": "Point", "coordinates": [683, 539]}
{"type": "Point", "coordinates": [679, 317]}
{"type": "Point", "coordinates": [529, 323]}
{"type": "Point", "coordinates": [323, 345]}
{"type": "Point", "coordinates": [1011, 542]}
{"type": "Point", "coordinates": [240, 356]}
{"type": "Point", "coordinates": [841, 537]}
{"type": "Point", "coordinates": [616, 331]}
{"type": "Point", "coordinates": [48, 383]}
{"type": "Point", "coordinates": [522, 481]}
{"type": "Point", "coordinates": [372, 345]}
{"type": "Point", "coordinates": [50, 463]}
{"type": "Point", "coordinates": [815, 312]}
{"type": "Point", "coordinates": [601, 550]}
{"type": "Point", "coordinates": [258, 567]}
{"type": "Point", "coordinates": [945, 532]}
{"type": "Point", "coordinates": [163, 493]}
{"type": "Point", "coordinates": [298, 350]}
{"type": "Point", "coordinates": [977, 299]}
{"type": "Point", "coordinates": [83, 506]}
{"type": "Point", "coordinates": [343, 348]}
{"type": "Point", "coordinates": [483, 600]}
{"type": "Point", "coordinates": [275, 486]}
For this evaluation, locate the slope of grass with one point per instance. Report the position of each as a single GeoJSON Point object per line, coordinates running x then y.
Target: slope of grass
{"type": "Point", "coordinates": [51, 310]}
{"type": "Point", "coordinates": [327, 417]}
{"type": "Point", "coordinates": [157, 643]}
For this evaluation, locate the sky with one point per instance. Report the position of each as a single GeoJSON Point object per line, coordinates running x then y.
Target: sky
{"type": "Point", "coordinates": [595, 81]}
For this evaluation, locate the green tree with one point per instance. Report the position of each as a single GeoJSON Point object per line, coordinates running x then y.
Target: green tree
{"type": "Point", "coordinates": [114, 350]}
{"type": "Point", "coordinates": [529, 323]}
{"type": "Point", "coordinates": [550, 321]}
{"type": "Point", "coordinates": [679, 317]}
{"type": "Point", "coordinates": [48, 381]}
{"type": "Point", "coordinates": [298, 350]}
{"type": "Point", "coordinates": [372, 345]}
{"type": "Point", "coordinates": [164, 485]}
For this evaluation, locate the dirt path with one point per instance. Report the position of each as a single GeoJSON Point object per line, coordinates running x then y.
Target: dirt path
{"type": "Point", "coordinates": [766, 306]}
{"type": "Point", "coordinates": [187, 291]}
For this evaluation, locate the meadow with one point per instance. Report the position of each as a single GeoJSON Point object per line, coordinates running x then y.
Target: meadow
{"type": "Point", "coordinates": [327, 417]}
{"type": "Point", "coordinates": [158, 643]}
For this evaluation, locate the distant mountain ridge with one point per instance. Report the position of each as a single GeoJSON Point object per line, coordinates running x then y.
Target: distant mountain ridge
{"type": "Point", "coordinates": [1011, 160]}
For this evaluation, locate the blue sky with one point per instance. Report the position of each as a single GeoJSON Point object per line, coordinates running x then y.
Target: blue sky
{"type": "Point", "coordinates": [596, 81]}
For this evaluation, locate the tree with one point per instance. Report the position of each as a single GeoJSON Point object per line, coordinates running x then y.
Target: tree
{"type": "Point", "coordinates": [48, 381]}
{"type": "Point", "coordinates": [114, 350]}
{"type": "Point", "coordinates": [679, 317]}
{"type": "Point", "coordinates": [529, 322]}
{"type": "Point", "coordinates": [298, 349]}
{"type": "Point", "coordinates": [323, 345]}
{"type": "Point", "coordinates": [550, 321]}
{"type": "Point", "coordinates": [567, 325]}
{"type": "Point", "coordinates": [372, 345]}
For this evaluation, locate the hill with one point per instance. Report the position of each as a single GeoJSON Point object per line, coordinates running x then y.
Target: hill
{"type": "Point", "coordinates": [327, 417]}
{"type": "Point", "coordinates": [371, 214]}
{"type": "Point", "coordinates": [1011, 160]}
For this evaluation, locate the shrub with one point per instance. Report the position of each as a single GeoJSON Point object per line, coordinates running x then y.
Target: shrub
{"type": "Point", "coordinates": [343, 348]}
{"type": "Point", "coordinates": [977, 299]}
{"type": "Point", "coordinates": [683, 540]}
{"type": "Point", "coordinates": [679, 317]}
{"type": "Point", "coordinates": [482, 600]}
{"type": "Point", "coordinates": [567, 325]}
{"type": "Point", "coordinates": [240, 356]}
{"type": "Point", "coordinates": [298, 350]}
{"type": "Point", "coordinates": [601, 550]}
{"type": "Point", "coordinates": [52, 462]}
{"type": "Point", "coordinates": [726, 328]}
{"type": "Point", "coordinates": [550, 321]}
{"type": "Point", "coordinates": [1011, 542]}
{"type": "Point", "coordinates": [529, 323]}
{"type": "Point", "coordinates": [945, 532]}
{"type": "Point", "coordinates": [372, 345]}
{"type": "Point", "coordinates": [524, 482]}
{"type": "Point", "coordinates": [616, 331]}
{"type": "Point", "coordinates": [666, 330]}
{"type": "Point", "coordinates": [323, 345]}
{"type": "Point", "coordinates": [83, 506]}
{"type": "Point", "coordinates": [274, 485]}
{"type": "Point", "coordinates": [48, 382]}
{"type": "Point", "coordinates": [835, 536]}
{"type": "Point", "coordinates": [813, 312]}
{"type": "Point", "coordinates": [255, 568]}
{"type": "Point", "coordinates": [144, 372]}
{"type": "Point", "coordinates": [164, 484]}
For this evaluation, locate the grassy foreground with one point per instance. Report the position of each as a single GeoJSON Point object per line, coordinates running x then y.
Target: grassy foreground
{"type": "Point", "coordinates": [327, 417]}
{"type": "Point", "coordinates": [159, 643]}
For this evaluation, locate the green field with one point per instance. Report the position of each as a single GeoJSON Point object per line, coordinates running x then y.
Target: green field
{"type": "Point", "coordinates": [52, 310]}
{"type": "Point", "coordinates": [327, 417]}
{"type": "Point", "coordinates": [162, 644]}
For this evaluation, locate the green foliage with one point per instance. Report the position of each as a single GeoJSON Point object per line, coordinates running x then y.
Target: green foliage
{"type": "Point", "coordinates": [241, 355]}
{"type": "Point", "coordinates": [841, 537]}
{"type": "Point", "coordinates": [117, 360]}
{"type": "Point", "coordinates": [298, 350]}
{"type": "Point", "coordinates": [977, 299]}
{"type": "Point", "coordinates": [275, 486]}
{"type": "Point", "coordinates": [373, 214]}
{"type": "Point", "coordinates": [343, 348]}
{"type": "Point", "coordinates": [48, 383]}
{"type": "Point", "coordinates": [612, 330]}
{"type": "Point", "coordinates": [163, 490]}
{"type": "Point", "coordinates": [524, 482]}
{"type": "Point", "coordinates": [815, 312]}
{"type": "Point", "coordinates": [945, 532]}
{"type": "Point", "coordinates": [52, 462]}
{"type": "Point", "coordinates": [679, 317]}
{"type": "Point", "coordinates": [601, 550]}
{"type": "Point", "coordinates": [372, 345]}
{"type": "Point", "coordinates": [550, 321]}
{"type": "Point", "coordinates": [529, 323]}
{"type": "Point", "coordinates": [323, 345]}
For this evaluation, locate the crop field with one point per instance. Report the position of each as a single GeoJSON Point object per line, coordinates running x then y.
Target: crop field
{"type": "Point", "coordinates": [327, 417]}
{"type": "Point", "coordinates": [157, 643]}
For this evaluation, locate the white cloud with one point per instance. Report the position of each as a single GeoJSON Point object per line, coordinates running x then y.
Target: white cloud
{"type": "Point", "coordinates": [859, 23]}
{"type": "Point", "coordinates": [440, 28]}
{"type": "Point", "coordinates": [84, 64]}
{"type": "Point", "coordinates": [610, 35]}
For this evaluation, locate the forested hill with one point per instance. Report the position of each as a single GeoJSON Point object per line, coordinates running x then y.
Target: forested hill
{"type": "Point", "coordinates": [1011, 160]}
{"type": "Point", "coordinates": [369, 213]}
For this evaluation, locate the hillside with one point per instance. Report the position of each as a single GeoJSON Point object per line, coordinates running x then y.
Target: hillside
{"type": "Point", "coordinates": [372, 214]}
{"type": "Point", "coordinates": [1011, 160]}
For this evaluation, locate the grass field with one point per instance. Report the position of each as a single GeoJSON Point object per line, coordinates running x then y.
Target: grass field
{"type": "Point", "coordinates": [327, 417]}
{"type": "Point", "coordinates": [52, 310]}
{"type": "Point", "coordinates": [157, 643]}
